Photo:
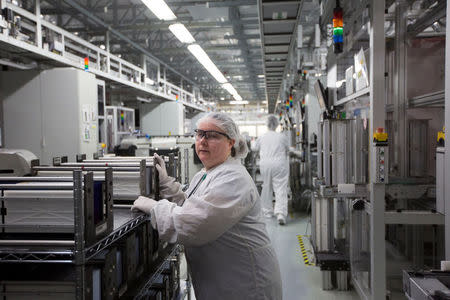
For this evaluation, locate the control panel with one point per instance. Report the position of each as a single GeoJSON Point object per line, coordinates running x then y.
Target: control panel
{"type": "Point", "coordinates": [381, 164]}
{"type": "Point", "coordinates": [380, 156]}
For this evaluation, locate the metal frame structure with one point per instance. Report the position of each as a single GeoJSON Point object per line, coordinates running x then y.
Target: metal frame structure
{"type": "Point", "coordinates": [334, 158]}
{"type": "Point", "coordinates": [104, 64]}
{"type": "Point", "coordinates": [408, 199]}
{"type": "Point", "coordinates": [377, 120]}
{"type": "Point", "coordinates": [148, 285]}
{"type": "Point", "coordinates": [228, 32]}
{"type": "Point", "coordinates": [447, 145]}
{"type": "Point", "coordinates": [76, 252]}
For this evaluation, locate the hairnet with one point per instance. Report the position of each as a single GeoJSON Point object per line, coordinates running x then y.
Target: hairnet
{"type": "Point", "coordinates": [227, 124]}
{"type": "Point", "coordinates": [272, 122]}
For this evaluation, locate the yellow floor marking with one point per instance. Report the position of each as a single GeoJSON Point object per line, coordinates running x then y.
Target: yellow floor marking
{"type": "Point", "coordinates": [304, 251]}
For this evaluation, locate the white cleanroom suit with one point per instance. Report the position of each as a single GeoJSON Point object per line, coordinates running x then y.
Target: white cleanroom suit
{"type": "Point", "coordinates": [274, 166]}
{"type": "Point", "coordinates": [228, 250]}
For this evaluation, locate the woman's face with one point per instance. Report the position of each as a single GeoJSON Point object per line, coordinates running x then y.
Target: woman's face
{"type": "Point", "coordinates": [214, 148]}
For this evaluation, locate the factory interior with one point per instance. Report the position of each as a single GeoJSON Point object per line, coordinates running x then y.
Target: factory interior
{"type": "Point", "coordinates": [90, 90]}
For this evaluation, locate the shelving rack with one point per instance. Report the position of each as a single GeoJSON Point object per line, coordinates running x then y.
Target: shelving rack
{"type": "Point", "coordinates": [75, 253]}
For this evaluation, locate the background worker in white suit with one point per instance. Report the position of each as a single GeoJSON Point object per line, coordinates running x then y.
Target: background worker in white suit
{"type": "Point", "coordinates": [274, 165]}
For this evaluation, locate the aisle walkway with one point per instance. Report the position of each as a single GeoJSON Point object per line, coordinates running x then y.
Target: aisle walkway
{"type": "Point", "coordinates": [299, 281]}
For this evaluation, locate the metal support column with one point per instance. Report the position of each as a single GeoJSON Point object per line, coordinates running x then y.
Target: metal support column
{"type": "Point", "coordinates": [108, 49]}
{"type": "Point", "coordinates": [319, 151]}
{"type": "Point", "coordinates": [377, 119]}
{"type": "Point", "coordinates": [165, 82]}
{"type": "Point", "coordinates": [326, 152]}
{"type": "Point", "coordinates": [38, 23]}
{"type": "Point", "coordinates": [447, 133]}
{"type": "Point", "coordinates": [144, 66]}
{"type": "Point", "coordinates": [80, 279]}
{"type": "Point", "coordinates": [158, 74]}
{"type": "Point", "coordinates": [400, 98]}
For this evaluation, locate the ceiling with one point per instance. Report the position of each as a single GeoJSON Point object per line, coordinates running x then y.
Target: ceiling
{"type": "Point", "coordinates": [228, 30]}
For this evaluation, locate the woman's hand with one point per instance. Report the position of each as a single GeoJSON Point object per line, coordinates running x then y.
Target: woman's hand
{"type": "Point", "coordinates": [160, 165]}
{"type": "Point", "coordinates": [143, 204]}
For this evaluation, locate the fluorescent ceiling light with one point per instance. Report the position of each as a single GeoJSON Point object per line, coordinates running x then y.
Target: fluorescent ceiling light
{"type": "Point", "coordinates": [182, 34]}
{"type": "Point", "coordinates": [239, 102]}
{"type": "Point", "coordinates": [261, 76]}
{"type": "Point", "coordinates": [232, 91]}
{"type": "Point", "coordinates": [204, 59]}
{"type": "Point", "coordinates": [160, 9]}
{"type": "Point", "coordinates": [237, 97]}
{"type": "Point", "coordinates": [229, 88]}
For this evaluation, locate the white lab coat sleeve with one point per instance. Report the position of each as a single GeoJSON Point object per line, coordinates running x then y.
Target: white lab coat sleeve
{"type": "Point", "coordinates": [205, 217]}
{"type": "Point", "coordinates": [172, 191]}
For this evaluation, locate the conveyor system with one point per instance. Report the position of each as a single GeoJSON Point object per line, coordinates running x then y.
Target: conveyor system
{"type": "Point", "coordinates": [50, 211]}
{"type": "Point", "coordinates": [173, 162]}
{"type": "Point", "coordinates": [130, 179]}
{"type": "Point", "coordinates": [61, 237]}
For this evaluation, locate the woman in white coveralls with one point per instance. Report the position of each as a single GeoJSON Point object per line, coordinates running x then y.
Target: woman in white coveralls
{"type": "Point", "coordinates": [218, 219]}
{"type": "Point", "coordinates": [274, 165]}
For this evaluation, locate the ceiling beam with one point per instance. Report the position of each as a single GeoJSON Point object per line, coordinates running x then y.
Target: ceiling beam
{"type": "Point", "coordinates": [154, 26]}
{"type": "Point", "coordinates": [279, 21]}
{"type": "Point", "coordinates": [278, 3]}
{"type": "Point", "coordinates": [209, 3]}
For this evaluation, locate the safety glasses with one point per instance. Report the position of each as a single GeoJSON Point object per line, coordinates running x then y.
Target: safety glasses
{"type": "Point", "coordinates": [209, 135]}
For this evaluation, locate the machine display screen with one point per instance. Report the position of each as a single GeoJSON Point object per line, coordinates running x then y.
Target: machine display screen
{"type": "Point", "coordinates": [99, 214]}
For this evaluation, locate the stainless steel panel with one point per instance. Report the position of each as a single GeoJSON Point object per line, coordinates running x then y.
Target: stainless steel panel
{"type": "Point", "coordinates": [326, 152]}
{"type": "Point", "coordinates": [326, 280]}
{"type": "Point", "coordinates": [360, 153]}
{"type": "Point", "coordinates": [418, 134]}
{"type": "Point", "coordinates": [319, 150]}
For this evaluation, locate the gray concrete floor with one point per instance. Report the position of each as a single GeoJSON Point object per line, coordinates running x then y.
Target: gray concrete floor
{"type": "Point", "coordinates": [299, 280]}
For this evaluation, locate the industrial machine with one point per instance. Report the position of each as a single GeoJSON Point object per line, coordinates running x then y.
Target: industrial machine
{"type": "Point", "coordinates": [66, 125]}
{"type": "Point", "coordinates": [165, 119]}
{"type": "Point", "coordinates": [342, 173]}
{"type": "Point", "coordinates": [119, 124]}
{"type": "Point", "coordinates": [17, 162]}
{"type": "Point", "coordinates": [423, 285]}
{"type": "Point", "coordinates": [133, 146]}
{"type": "Point", "coordinates": [62, 237]}
{"type": "Point", "coordinates": [35, 209]}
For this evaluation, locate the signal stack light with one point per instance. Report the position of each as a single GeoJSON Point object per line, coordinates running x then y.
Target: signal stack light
{"type": "Point", "coordinates": [86, 63]}
{"type": "Point", "coordinates": [338, 28]}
